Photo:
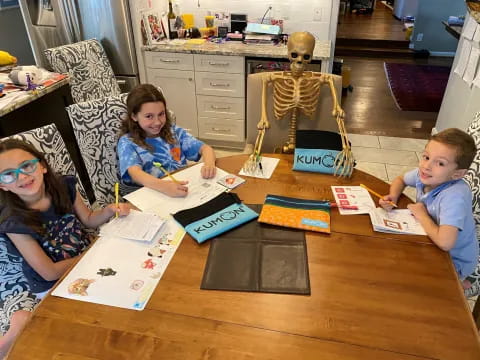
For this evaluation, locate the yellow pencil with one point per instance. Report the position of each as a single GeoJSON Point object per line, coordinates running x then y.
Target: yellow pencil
{"type": "Point", "coordinates": [116, 199]}
{"type": "Point", "coordinates": [377, 194]}
{"type": "Point", "coordinates": [158, 165]}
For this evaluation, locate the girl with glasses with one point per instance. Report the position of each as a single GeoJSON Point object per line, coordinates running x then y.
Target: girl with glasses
{"type": "Point", "coordinates": [43, 216]}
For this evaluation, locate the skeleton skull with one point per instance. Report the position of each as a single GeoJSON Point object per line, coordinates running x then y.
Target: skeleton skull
{"type": "Point", "coordinates": [300, 51]}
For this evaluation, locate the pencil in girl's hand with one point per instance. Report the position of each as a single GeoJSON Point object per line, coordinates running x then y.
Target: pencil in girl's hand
{"type": "Point", "coordinates": [377, 194]}
{"type": "Point", "coordinates": [116, 199]}
{"type": "Point", "coordinates": [158, 165]}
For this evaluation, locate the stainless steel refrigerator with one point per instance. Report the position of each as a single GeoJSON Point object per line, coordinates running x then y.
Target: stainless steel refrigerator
{"type": "Point", "coordinates": [51, 23]}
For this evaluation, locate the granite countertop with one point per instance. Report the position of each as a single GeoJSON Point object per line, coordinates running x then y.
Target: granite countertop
{"type": "Point", "coordinates": [15, 100]}
{"type": "Point", "coordinates": [322, 49]}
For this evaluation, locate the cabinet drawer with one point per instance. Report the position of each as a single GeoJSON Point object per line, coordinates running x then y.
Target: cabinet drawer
{"type": "Point", "coordinates": [221, 129]}
{"type": "Point", "coordinates": [219, 84]}
{"type": "Point", "coordinates": [179, 89]}
{"type": "Point", "coordinates": [221, 107]}
{"type": "Point", "coordinates": [220, 63]}
{"type": "Point", "coordinates": [166, 60]}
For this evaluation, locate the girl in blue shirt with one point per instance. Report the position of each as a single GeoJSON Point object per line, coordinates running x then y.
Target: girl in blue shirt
{"type": "Point", "coordinates": [42, 214]}
{"type": "Point", "coordinates": [148, 135]}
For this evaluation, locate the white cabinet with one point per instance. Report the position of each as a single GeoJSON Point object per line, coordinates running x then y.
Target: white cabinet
{"type": "Point", "coordinates": [179, 90]}
{"type": "Point", "coordinates": [173, 72]}
{"type": "Point", "coordinates": [206, 92]}
{"type": "Point", "coordinates": [220, 88]}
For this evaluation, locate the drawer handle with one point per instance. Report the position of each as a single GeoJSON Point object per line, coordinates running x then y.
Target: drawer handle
{"type": "Point", "coordinates": [220, 107]}
{"type": "Point", "coordinates": [218, 63]}
{"type": "Point", "coordinates": [221, 130]}
{"type": "Point", "coordinates": [170, 60]}
{"type": "Point", "coordinates": [219, 85]}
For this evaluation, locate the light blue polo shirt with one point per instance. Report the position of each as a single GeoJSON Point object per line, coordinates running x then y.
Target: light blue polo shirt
{"type": "Point", "coordinates": [451, 204]}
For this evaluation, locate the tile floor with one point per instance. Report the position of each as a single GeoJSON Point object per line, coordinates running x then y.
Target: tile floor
{"type": "Point", "coordinates": [397, 156]}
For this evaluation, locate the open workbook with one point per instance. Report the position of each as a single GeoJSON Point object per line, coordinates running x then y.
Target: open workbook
{"type": "Point", "coordinates": [398, 221]}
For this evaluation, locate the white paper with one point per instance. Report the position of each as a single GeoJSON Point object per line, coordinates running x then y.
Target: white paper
{"type": "Point", "coordinates": [353, 196]}
{"type": "Point", "coordinates": [469, 28]}
{"type": "Point", "coordinates": [398, 221]}
{"type": "Point", "coordinates": [472, 65]}
{"type": "Point", "coordinates": [140, 226]}
{"type": "Point", "coordinates": [268, 166]}
{"type": "Point", "coordinates": [464, 57]}
{"type": "Point", "coordinates": [138, 268]}
{"type": "Point", "coordinates": [476, 37]}
{"type": "Point", "coordinates": [200, 191]}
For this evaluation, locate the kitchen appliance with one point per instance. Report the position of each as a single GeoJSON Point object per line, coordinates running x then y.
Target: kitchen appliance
{"type": "Point", "coordinates": [238, 22]}
{"type": "Point", "coordinates": [256, 65]}
{"type": "Point", "coordinates": [52, 23]}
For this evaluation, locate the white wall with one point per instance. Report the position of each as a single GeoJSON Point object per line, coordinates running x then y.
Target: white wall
{"type": "Point", "coordinates": [429, 23]}
{"type": "Point", "coordinates": [460, 101]}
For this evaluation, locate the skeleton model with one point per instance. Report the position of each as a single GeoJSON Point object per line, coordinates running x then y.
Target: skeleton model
{"type": "Point", "coordinates": [299, 90]}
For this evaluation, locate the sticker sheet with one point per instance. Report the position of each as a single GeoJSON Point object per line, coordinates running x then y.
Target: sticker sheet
{"type": "Point", "coordinates": [120, 272]}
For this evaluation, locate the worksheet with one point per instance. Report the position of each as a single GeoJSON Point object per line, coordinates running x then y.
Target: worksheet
{"type": "Point", "coordinates": [353, 196]}
{"type": "Point", "coordinates": [120, 272]}
{"type": "Point", "coordinates": [399, 221]}
{"type": "Point", "coordinates": [264, 171]}
{"type": "Point", "coordinates": [200, 191]}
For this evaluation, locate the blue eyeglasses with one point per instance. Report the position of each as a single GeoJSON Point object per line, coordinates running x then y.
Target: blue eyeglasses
{"type": "Point", "coordinates": [11, 175]}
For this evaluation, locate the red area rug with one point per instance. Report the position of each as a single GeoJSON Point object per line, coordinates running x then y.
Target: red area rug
{"type": "Point", "coordinates": [417, 87]}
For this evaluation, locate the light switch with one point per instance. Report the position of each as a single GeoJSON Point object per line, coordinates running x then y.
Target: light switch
{"type": "Point", "coordinates": [317, 14]}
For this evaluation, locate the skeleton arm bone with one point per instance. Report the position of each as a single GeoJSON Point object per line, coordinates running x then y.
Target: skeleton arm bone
{"type": "Point", "coordinates": [263, 123]}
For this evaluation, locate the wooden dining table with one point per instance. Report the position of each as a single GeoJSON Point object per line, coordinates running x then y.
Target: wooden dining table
{"type": "Point", "coordinates": [373, 296]}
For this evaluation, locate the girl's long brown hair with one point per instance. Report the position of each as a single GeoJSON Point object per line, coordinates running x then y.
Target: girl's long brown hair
{"type": "Point", "coordinates": [141, 94]}
{"type": "Point", "coordinates": [55, 187]}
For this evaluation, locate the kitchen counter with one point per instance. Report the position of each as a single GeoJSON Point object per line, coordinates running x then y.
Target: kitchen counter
{"type": "Point", "coordinates": [322, 49]}
{"type": "Point", "coordinates": [15, 100]}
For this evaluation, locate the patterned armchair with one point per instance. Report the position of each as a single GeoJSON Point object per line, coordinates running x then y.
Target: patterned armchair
{"type": "Point", "coordinates": [473, 179]}
{"type": "Point", "coordinates": [91, 76]}
{"type": "Point", "coordinates": [14, 290]}
{"type": "Point", "coordinates": [96, 125]}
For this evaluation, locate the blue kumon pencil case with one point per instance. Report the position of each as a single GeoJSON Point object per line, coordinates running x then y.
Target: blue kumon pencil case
{"type": "Point", "coordinates": [215, 217]}
{"type": "Point", "coordinates": [316, 151]}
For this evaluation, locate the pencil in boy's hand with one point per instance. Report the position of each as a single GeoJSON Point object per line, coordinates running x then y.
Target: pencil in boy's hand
{"type": "Point", "coordinates": [377, 194]}
{"type": "Point", "coordinates": [158, 165]}
{"type": "Point", "coordinates": [116, 199]}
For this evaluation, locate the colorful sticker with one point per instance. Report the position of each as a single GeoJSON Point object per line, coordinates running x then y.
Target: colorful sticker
{"type": "Point", "coordinates": [106, 272]}
{"type": "Point", "coordinates": [80, 286]}
{"type": "Point", "coordinates": [136, 284]}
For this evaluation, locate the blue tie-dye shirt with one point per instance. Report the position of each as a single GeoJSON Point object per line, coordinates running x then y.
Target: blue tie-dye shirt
{"type": "Point", "coordinates": [171, 156]}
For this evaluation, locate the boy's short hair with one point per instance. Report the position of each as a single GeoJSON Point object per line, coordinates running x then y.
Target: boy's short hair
{"type": "Point", "coordinates": [463, 143]}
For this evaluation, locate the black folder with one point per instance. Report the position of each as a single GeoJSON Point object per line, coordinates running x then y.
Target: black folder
{"type": "Point", "coordinates": [260, 258]}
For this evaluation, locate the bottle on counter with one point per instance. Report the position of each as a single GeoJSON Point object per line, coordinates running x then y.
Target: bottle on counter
{"type": "Point", "coordinates": [172, 30]}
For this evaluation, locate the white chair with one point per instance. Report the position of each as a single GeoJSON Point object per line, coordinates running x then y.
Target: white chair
{"type": "Point", "coordinates": [277, 134]}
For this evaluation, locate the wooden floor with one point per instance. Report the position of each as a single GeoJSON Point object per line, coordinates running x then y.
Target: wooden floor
{"type": "Point", "coordinates": [370, 108]}
{"type": "Point", "coordinates": [379, 25]}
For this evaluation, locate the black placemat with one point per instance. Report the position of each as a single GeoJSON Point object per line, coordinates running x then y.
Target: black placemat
{"type": "Point", "coordinates": [258, 257]}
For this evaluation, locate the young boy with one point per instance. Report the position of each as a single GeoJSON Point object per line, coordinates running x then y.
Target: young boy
{"type": "Point", "coordinates": [444, 200]}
